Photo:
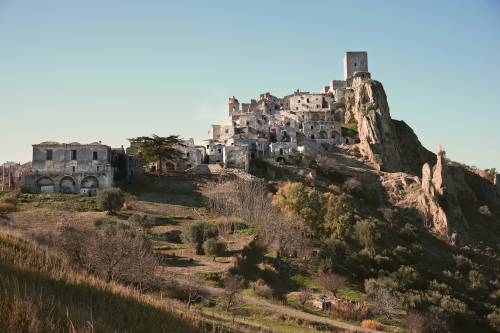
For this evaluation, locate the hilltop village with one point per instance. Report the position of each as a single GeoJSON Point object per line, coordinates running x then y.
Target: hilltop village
{"type": "Point", "coordinates": [271, 128]}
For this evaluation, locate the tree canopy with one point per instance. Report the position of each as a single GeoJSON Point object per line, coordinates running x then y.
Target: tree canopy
{"type": "Point", "coordinates": [156, 148]}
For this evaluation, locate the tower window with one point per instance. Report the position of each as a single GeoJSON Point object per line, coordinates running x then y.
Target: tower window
{"type": "Point", "coordinates": [49, 155]}
{"type": "Point", "coordinates": [73, 155]}
{"type": "Point", "coordinates": [355, 64]}
{"type": "Point", "coordinates": [94, 156]}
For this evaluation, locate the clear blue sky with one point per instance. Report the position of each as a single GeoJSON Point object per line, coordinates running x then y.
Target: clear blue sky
{"type": "Point", "coordinates": [110, 70]}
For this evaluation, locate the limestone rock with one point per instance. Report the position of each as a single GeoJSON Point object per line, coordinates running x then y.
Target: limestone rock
{"type": "Point", "coordinates": [377, 136]}
{"type": "Point", "coordinates": [389, 145]}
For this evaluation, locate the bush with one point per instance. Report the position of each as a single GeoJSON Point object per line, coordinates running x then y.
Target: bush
{"type": "Point", "coordinates": [494, 319]}
{"type": "Point", "coordinates": [409, 232]}
{"type": "Point", "coordinates": [372, 324]}
{"type": "Point", "coordinates": [462, 263]}
{"type": "Point", "coordinates": [261, 288]}
{"type": "Point", "coordinates": [366, 235]}
{"type": "Point", "coordinates": [484, 210]}
{"type": "Point", "coordinates": [110, 199]}
{"type": "Point", "coordinates": [143, 220]}
{"type": "Point", "coordinates": [214, 247]}
{"type": "Point", "coordinates": [199, 232]}
{"type": "Point", "coordinates": [476, 279]}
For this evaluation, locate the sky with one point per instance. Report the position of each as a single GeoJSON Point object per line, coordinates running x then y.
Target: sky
{"type": "Point", "coordinates": [106, 71]}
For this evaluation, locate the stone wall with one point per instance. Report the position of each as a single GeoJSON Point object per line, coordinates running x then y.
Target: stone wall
{"type": "Point", "coordinates": [355, 62]}
{"type": "Point", "coordinates": [236, 157]}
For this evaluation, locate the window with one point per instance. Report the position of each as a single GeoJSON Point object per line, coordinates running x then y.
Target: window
{"type": "Point", "coordinates": [49, 155]}
{"type": "Point", "coordinates": [317, 106]}
{"type": "Point", "coordinates": [312, 127]}
{"type": "Point", "coordinates": [355, 64]}
{"type": "Point", "coordinates": [208, 146]}
{"type": "Point", "coordinates": [308, 100]}
{"type": "Point", "coordinates": [187, 154]}
{"type": "Point", "coordinates": [73, 155]}
{"type": "Point", "coordinates": [248, 123]}
{"type": "Point", "coordinates": [219, 150]}
{"type": "Point", "coordinates": [227, 131]}
{"type": "Point", "coordinates": [73, 168]}
{"type": "Point", "coordinates": [94, 156]}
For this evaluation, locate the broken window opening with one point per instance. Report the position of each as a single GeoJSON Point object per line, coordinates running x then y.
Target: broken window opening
{"type": "Point", "coordinates": [49, 155]}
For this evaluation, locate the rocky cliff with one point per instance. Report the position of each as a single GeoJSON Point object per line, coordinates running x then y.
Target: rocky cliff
{"type": "Point", "coordinates": [444, 194]}
{"type": "Point", "coordinates": [389, 144]}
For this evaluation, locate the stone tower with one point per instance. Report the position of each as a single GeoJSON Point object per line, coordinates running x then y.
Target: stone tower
{"type": "Point", "coordinates": [233, 105]}
{"type": "Point", "coordinates": [355, 62]}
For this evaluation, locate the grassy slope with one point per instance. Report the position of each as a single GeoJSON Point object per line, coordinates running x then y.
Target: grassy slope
{"type": "Point", "coordinates": [40, 294]}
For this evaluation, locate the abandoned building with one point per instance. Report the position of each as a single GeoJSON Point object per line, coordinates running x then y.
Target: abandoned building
{"type": "Point", "coordinates": [279, 129]}
{"type": "Point", "coordinates": [71, 168]}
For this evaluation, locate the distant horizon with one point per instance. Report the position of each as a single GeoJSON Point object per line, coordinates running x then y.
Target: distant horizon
{"type": "Point", "coordinates": [91, 71]}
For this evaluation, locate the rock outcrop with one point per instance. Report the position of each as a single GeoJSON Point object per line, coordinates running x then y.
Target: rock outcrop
{"type": "Point", "coordinates": [378, 141]}
{"type": "Point", "coordinates": [439, 202]}
{"type": "Point", "coordinates": [390, 145]}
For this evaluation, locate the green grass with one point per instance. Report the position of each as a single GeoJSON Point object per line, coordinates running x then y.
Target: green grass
{"type": "Point", "coordinates": [303, 281]}
{"type": "Point", "coordinates": [350, 294]}
{"type": "Point", "coordinates": [351, 126]}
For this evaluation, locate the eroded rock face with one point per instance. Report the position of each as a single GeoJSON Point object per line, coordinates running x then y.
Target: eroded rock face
{"type": "Point", "coordinates": [390, 145]}
{"type": "Point", "coordinates": [377, 136]}
{"type": "Point", "coordinates": [439, 201]}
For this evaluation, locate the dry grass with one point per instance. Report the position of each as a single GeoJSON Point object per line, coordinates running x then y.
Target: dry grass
{"type": "Point", "coordinates": [40, 293]}
{"type": "Point", "coordinates": [372, 324]}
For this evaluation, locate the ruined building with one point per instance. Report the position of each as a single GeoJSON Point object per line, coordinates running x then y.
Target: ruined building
{"type": "Point", "coordinates": [283, 128]}
{"type": "Point", "coordinates": [70, 168]}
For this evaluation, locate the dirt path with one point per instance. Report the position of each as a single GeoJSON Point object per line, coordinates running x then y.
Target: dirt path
{"type": "Point", "coordinates": [293, 313]}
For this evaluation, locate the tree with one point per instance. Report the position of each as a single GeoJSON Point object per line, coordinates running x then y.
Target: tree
{"type": "Point", "coordinates": [199, 232]}
{"type": "Point", "coordinates": [331, 282]}
{"type": "Point", "coordinates": [305, 295]}
{"type": "Point", "coordinates": [233, 284]}
{"type": "Point", "coordinates": [214, 247]}
{"type": "Point", "coordinates": [158, 149]}
{"type": "Point", "coordinates": [110, 199]}
{"type": "Point", "coordinates": [308, 204]}
{"type": "Point", "coordinates": [339, 216]}
{"type": "Point", "coordinates": [365, 231]}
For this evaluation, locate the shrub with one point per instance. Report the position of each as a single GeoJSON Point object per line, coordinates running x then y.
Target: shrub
{"type": "Point", "coordinates": [199, 232]}
{"type": "Point", "coordinates": [409, 232]}
{"type": "Point", "coordinates": [462, 263]}
{"type": "Point", "coordinates": [372, 324]}
{"type": "Point", "coordinates": [476, 279]}
{"type": "Point", "coordinates": [484, 210]}
{"type": "Point", "coordinates": [494, 319]}
{"type": "Point", "coordinates": [261, 288]}
{"type": "Point", "coordinates": [143, 220]}
{"type": "Point", "coordinates": [366, 235]}
{"type": "Point", "coordinates": [214, 247]}
{"type": "Point", "coordinates": [110, 199]}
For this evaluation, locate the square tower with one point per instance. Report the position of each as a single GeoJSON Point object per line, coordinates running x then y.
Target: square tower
{"type": "Point", "coordinates": [355, 62]}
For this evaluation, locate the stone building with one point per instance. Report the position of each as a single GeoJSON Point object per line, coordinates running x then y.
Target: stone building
{"type": "Point", "coordinates": [277, 128]}
{"type": "Point", "coordinates": [70, 168]}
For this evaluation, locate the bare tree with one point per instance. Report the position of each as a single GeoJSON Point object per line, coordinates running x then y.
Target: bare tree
{"type": "Point", "coordinates": [386, 302]}
{"type": "Point", "coordinates": [250, 201]}
{"type": "Point", "coordinates": [233, 284]}
{"type": "Point", "coordinates": [113, 255]}
{"type": "Point", "coordinates": [331, 282]}
{"type": "Point", "coordinates": [305, 294]}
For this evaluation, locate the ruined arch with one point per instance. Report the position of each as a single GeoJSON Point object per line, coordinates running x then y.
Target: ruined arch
{"type": "Point", "coordinates": [323, 135]}
{"type": "Point", "coordinates": [170, 166]}
{"type": "Point", "coordinates": [67, 185]}
{"type": "Point", "coordinates": [90, 182]}
{"type": "Point", "coordinates": [45, 184]}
